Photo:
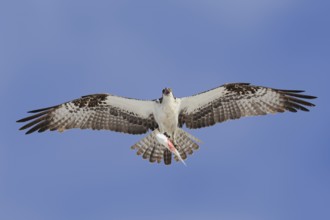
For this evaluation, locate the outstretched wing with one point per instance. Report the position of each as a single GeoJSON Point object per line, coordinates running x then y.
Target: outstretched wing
{"type": "Point", "coordinates": [236, 100]}
{"type": "Point", "coordinates": [99, 111]}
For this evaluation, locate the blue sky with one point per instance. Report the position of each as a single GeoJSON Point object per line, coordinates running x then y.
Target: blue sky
{"type": "Point", "coordinates": [269, 168]}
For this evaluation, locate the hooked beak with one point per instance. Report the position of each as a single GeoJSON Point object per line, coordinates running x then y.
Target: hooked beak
{"type": "Point", "coordinates": [167, 91]}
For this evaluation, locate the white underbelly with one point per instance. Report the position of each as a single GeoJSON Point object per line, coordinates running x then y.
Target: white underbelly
{"type": "Point", "coordinates": [167, 123]}
{"type": "Point", "coordinates": [167, 119]}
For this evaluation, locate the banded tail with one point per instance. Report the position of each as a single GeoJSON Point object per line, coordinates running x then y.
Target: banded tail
{"type": "Point", "coordinates": [151, 149]}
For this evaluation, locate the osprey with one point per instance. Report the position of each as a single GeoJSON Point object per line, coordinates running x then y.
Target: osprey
{"type": "Point", "coordinates": [166, 115]}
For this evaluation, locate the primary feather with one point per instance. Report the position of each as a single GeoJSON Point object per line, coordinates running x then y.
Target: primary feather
{"type": "Point", "coordinates": [166, 115]}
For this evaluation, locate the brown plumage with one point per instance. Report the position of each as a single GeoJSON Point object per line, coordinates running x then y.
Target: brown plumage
{"type": "Point", "coordinates": [166, 115]}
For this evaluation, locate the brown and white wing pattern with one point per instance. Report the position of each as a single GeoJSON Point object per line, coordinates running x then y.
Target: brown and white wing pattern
{"type": "Point", "coordinates": [236, 100]}
{"type": "Point", "coordinates": [98, 111]}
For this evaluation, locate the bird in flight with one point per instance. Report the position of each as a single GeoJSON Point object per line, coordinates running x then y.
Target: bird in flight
{"type": "Point", "coordinates": [166, 116]}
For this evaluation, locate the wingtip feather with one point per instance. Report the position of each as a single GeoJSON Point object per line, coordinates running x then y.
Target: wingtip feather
{"type": "Point", "coordinates": [42, 109]}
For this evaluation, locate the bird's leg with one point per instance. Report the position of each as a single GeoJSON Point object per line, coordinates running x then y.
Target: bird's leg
{"type": "Point", "coordinates": [170, 148]}
{"type": "Point", "coordinates": [171, 138]}
{"type": "Point", "coordinates": [167, 135]}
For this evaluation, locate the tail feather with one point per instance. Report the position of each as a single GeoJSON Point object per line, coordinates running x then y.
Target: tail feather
{"type": "Point", "coordinates": [167, 157]}
{"type": "Point", "coordinates": [183, 154]}
{"type": "Point", "coordinates": [155, 155]}
{"type": "Point", "coordinates": [151, 149]}
{"type": "Point", "coordinates": [147, 153]}
{"type": "Point", "coordinates": [187, 142]}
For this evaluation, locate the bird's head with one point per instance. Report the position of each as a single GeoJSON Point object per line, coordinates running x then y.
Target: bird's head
{"type": "Point", "coordinates": [167, 92]}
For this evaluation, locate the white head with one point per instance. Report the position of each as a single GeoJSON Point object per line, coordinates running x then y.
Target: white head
{"type": "Point", "coordinates": [167, 92]}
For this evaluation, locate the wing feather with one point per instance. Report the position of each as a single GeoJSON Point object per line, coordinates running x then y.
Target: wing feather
{"type": "Point", "coordinates": [99, 111]}
{"type": "Point", "coordinates": [236, 100]}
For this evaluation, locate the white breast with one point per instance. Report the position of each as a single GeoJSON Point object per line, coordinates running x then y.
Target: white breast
{"type": "Point", "coordinates": [166, 115]}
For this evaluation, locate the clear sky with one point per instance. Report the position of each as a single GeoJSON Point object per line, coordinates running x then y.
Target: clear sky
{"type": "Point", "coordinates": [267, 168]}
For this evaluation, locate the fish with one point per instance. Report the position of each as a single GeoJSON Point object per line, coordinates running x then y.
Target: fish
{"type": "Point", "coordinates": [166, 142]}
